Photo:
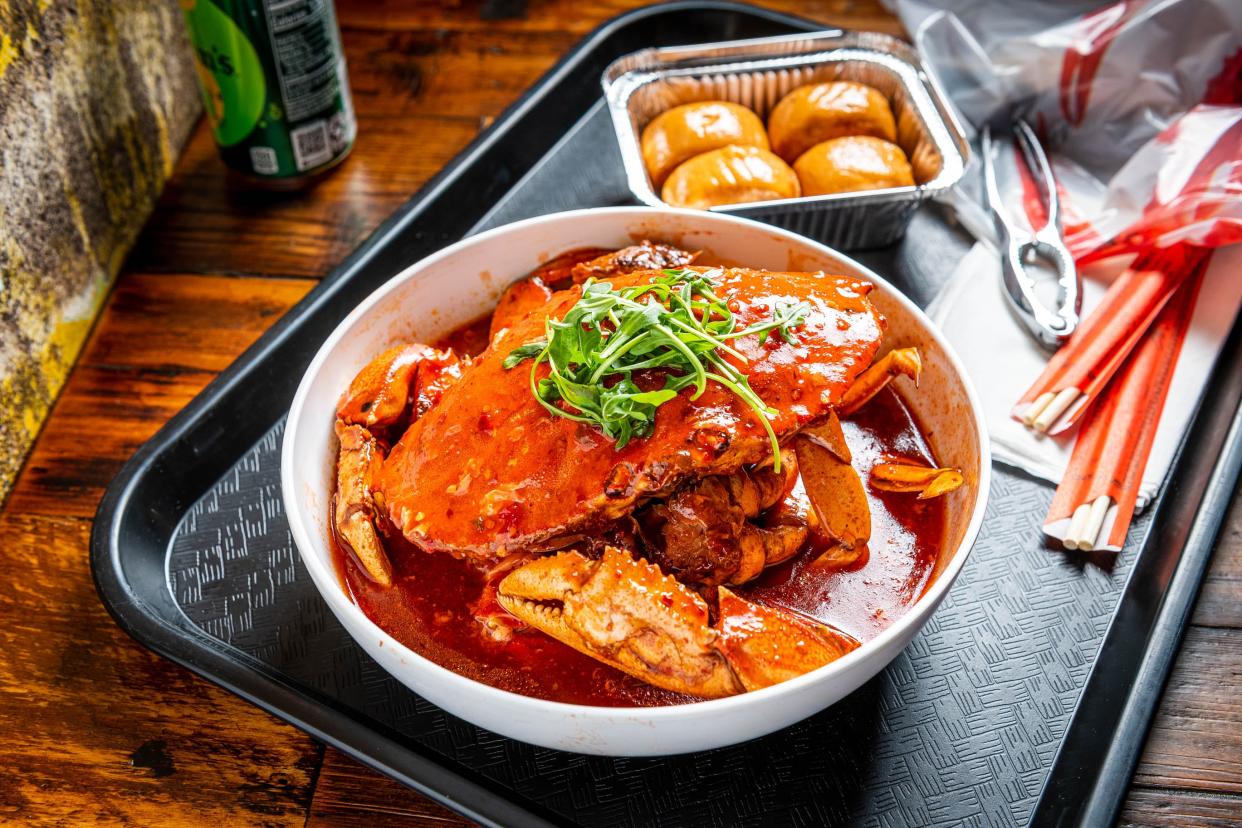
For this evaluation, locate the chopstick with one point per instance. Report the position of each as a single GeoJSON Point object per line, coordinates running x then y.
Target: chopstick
{"type": "Point", "coordinates": [1087, 522]}
{"type": "Point", "coordinates": [1078, 372]}
{"type": "Point", "coordinates": [1095, 502]}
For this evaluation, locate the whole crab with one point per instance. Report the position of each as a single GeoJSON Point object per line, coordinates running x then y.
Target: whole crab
{"type": "Point", "coordinates": [626, 553]}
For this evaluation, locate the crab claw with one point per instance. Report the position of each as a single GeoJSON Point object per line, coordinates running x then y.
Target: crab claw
{"type": "Point", "coordinates": [354, 509]}
{"type": "Point", "coordinates": [400, 379]}
{"type": "Point", "coordinates": [379, 394]}
{"type": "Point", "coordinates": [626, 613]}
{"type": "Point", "coordinates": [765, 646]}
{"type": "Point", "coordinates": [905, 476]}
{"type": "Point", "coordinates": [898, 362]}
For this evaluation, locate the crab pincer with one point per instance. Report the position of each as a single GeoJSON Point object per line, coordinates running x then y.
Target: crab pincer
{"type": "Point", "coordinates": [765, 646]}
{"type": "Point", "coordinates": [379, 395]}
{"type": "Point", "coordinates": [625, 612]}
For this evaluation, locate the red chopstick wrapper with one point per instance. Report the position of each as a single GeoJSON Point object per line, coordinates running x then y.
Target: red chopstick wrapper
{"type": "Point", "coordinates": [1080, 370]}
{"type": "Point", "coordinates": [1095, 502]}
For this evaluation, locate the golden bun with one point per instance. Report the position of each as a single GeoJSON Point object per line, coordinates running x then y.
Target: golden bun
{"type": "Point", "coordinates": [852, 163]}
{"type": "Point", "coordinates": [812, 114]}
{"type": "Point", "coordinates": [730, 175]}
{"type": "Point", "coordinates": [688, 130]}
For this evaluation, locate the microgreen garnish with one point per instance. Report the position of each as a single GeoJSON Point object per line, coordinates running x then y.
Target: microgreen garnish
{"type": "Point", "coordinates": [675, 322]}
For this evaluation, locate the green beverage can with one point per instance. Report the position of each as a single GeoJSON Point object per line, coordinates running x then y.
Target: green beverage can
{"type": "Point", "coordinates": [273, 81]}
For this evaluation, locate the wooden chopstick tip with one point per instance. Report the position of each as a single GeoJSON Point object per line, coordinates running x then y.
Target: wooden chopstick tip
{"type": "Point", "coordinates": [1034, 409]}
{"type": "Point", "coordinates": [1052, 412]}
{"type": "Point", "coordinates": [1077, 523]}
{"type": "Point", "coordinates": [1087, 524]}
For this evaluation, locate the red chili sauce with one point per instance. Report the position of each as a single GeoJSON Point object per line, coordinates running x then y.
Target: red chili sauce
{"type": "Point", "coordinates": [429, 606]}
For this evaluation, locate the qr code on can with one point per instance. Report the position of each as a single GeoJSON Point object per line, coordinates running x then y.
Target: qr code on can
{"type": "Point", "coordinates": [310, 145]}
{"type": "Point", "coordinates": [263, 160]}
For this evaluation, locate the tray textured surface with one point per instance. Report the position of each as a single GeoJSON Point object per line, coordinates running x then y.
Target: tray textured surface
{"type": "Point", "coordinates": [960, 729]}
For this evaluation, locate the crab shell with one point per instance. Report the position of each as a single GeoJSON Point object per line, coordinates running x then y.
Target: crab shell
{"type": "Point", "coordinates": [487, 471]}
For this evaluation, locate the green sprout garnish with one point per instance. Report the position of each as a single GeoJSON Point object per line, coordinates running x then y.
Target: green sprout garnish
{"type": "Point", "coordinates": [675, 323]}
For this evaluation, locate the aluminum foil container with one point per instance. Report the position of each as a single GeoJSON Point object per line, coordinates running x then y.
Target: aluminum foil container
{"type": "Point", "coordinates": [757, 74]}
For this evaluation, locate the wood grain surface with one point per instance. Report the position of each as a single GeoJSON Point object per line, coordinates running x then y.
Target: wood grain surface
{"type": "Point", "coordinates": [97, 729]}
{"type": "Point", "coordinates": [96, 99]}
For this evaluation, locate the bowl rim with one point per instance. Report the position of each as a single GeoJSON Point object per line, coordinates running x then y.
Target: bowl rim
{"type": "Point", "coordinates": [326, 580]}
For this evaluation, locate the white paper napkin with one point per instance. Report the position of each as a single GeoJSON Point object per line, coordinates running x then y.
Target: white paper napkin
{"type": "Point", "coordinates": [1003, 360]}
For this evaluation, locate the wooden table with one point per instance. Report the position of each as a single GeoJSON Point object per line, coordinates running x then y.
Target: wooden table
{"type": "Point", "coordinates": [98, 729]}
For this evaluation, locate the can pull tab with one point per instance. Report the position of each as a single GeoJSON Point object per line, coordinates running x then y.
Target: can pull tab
{"type": "Point", "coordinates": [1021, 248]}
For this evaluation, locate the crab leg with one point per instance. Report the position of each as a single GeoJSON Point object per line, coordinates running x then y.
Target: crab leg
{"type": "Point", "coordinates": [627, 613]}
{"type": "Point", "coordinates": [645, 255]}
{"type": "Point", "coordinates": [517, 302]}
{"type": "Point", "coordinates": [404, 380]}
{"type": "Point", "coordinates": [910, 477]}
{"type": "Point", "coordinates": [762, 547]}
{"type": "Point", "coordinates": [788, 526]}
{"type": "Point", "coordinates": [898, 362]}
{"type": "Point", "coordinates": [354, 512]}
{"type": "Point", "coordinates": [835, 491]}
{"type": "Point", "coordinates": [705, 533]}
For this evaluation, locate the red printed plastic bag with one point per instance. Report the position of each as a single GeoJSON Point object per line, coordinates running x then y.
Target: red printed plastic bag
{"type": "Point", "coordinates": [1137, 101]}
{"type": "Point", "coordinates": [1185, 185]}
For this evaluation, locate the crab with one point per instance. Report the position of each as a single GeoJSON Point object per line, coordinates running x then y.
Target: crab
{"type": "Point", "coordinates": [629, 554]}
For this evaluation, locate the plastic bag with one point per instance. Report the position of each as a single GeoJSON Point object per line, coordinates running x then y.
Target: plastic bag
{"type": "Point", "coordinates": [1137, 102]}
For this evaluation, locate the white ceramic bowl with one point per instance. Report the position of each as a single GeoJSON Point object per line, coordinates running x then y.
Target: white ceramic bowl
{"type": "Point", "coordinates": [462, 282]}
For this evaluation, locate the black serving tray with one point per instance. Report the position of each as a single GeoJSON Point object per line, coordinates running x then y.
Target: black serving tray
{"type": "Point", "coordinates": [1025, 699]}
